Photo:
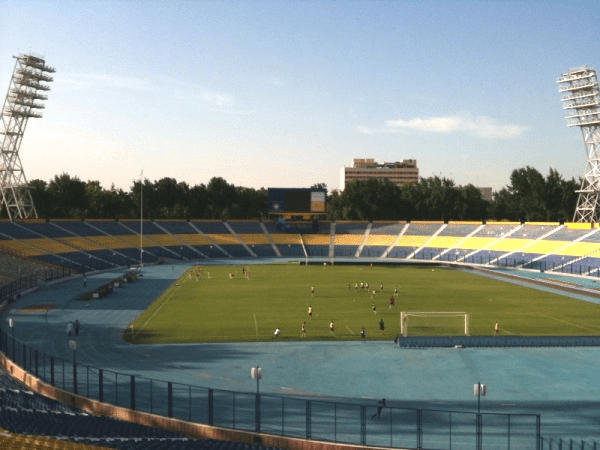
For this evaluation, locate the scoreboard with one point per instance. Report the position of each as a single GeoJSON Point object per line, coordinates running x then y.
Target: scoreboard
{"type": "Point", "coordinates": [296, 201]}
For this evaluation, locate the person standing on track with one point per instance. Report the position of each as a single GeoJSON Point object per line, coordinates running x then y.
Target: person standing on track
{"type": "Point", "coordinates": [380, 406]}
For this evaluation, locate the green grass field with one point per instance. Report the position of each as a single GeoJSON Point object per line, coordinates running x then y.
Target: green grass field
{"type": "Point", "coordinates": [219, 309]}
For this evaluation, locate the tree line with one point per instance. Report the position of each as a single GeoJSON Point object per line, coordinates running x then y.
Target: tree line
{"type": "Point", "coordinates": [530, 196]}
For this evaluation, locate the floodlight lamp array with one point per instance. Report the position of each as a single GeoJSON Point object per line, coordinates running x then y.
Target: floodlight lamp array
{"type": "Point", "coordinates": [22, 102]}
{"type": "Point", "coordinates": [582, 96]}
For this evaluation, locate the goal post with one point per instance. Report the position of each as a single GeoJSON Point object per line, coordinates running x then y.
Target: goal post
{"type": "Point", "coordinates": [440, 319]}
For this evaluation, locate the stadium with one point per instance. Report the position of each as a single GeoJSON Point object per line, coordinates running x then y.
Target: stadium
{"type": "Point", "coordinates": [296, 334]}
{"type": "Point", "coordinates": [550, 257]}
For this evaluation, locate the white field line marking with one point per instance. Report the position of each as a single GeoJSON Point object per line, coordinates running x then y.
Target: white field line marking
{"type": "Point", "coordinates": [565, 321]}
{"type": "Point", "coordinates": [255, 324]}
{"type": "Point", "coordinates": [158, 309]}
{"type": "Point", "coordinates": [504, 330]}
{"type": "Point", "coordinates": [351, 332]}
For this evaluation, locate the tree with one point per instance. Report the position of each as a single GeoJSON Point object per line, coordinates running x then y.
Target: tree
{"type": "Point", "coordinates": [560, 197]}
{"type": "Point", "coordinates": [221, 195]}
{"type": "Point", "coordinates": [527, 186]}
{"type": "Point", "coordinates": [40, 197]}
{"type": "Point", "coordinates": [67, 196]}
{"type": "Point", "coordinates": [473, 206]}
{"type": "Point", "coordinates": [371, 199]}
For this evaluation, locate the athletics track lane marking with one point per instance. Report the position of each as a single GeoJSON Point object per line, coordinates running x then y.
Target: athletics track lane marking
{"type": "Point", "coordinates": [177, 286]}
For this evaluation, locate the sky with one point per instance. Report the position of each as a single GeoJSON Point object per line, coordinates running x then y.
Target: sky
{"type": "Point", "coordinates": [286, 93]}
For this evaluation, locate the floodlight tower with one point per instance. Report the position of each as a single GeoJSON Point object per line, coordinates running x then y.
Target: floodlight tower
{"type": "Point", "coordinates": [582, 99]}
{"type": "Point", "coordinates": [21, 103]}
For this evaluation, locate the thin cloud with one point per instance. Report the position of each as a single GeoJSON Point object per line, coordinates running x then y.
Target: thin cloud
{"type": "Point", "coordinates": [364, 130]}
{"type": "Point", "coordinates": [94, 80]}
{"type": "Point", "coordinates": [481, 126]}
{"type": "Point", "coordinates": [218, 99]}
{"type": "Point", "coordinates": [432, 124]}
{"type": "Point", "coordinates": [184, 91]}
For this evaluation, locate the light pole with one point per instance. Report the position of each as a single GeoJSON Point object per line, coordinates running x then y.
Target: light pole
{"type": "Point", "coordinates": [256, 373]}
{"type": "Point", "coordinates": [141, 219]}
{"type": "Point", "coordinates": [479, 390]}
{"type": "Point", "coordinates": [11, 324]}
{"type": "Point", "coordinates": [73, 346]}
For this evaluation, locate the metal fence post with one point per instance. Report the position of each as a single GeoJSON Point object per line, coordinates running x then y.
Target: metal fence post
{"type": "Point", "coordinates": [257, 413]}
{"type": "Point", "coordinates": [509, 432]}
{"type": "Point", "coordinates": [363, 425]}
{"type": "Point", "coordinates": [308, 418]}
{"type": "Point", "coordinates": [74, 377]}
{"type": "Point", "coordinates": [170, 399]}
{"type": "Point", "coordinates": [450, 429]}
{"type": "Point", "coordinates": [133, 392]}
{"type": "Point", "coordinates": [419, 430]}
{"type": "Point", "coordinates": [100, 385]}
{"type": "Point", "coordinates": [335, 422]}
{"type": "Point", "coordinates": [538, 430]}
{"type": "Point", "coordinates": [210, 406]}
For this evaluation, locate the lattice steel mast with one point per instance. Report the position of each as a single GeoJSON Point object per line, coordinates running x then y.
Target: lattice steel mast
{"type": "Point", "coordinates": [582, 97]}
{"type": "Point", "coordinates": [20, 104]}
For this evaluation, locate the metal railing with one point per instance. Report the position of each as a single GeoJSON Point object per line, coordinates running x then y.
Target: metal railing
{"type": "Point", "coordinates": [285, 415]}
{"type": "Point", "coordinates": [11, 291]}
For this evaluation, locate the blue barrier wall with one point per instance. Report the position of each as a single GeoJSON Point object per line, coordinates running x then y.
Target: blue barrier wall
{"type": "Point", "coordinates": [499, 341]}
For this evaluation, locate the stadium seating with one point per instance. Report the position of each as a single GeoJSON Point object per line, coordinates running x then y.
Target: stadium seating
{"type": "Point", "coordinates": [31, 421]}
{"type": "Point", "coordinates": [100, 244]}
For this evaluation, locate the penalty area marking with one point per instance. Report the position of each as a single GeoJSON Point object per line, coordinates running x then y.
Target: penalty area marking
{"type": "Point", "coordinates": [565, 321]}
{"type": "Point", "coordinates": [177, 286]}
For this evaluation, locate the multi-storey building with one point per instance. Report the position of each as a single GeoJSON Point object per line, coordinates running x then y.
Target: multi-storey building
{"type": "Point", "coordinates": [400, 172]}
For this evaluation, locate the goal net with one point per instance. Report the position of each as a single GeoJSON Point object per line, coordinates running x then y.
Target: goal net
{"type": "Point", "coordinates": [438, 323]}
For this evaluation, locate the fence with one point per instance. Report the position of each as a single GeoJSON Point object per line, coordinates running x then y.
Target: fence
{"type": "Point", "coordinates": [561, 444]}
{"type": "Point", "coordinates": [281, 415]}
{"type": "Point", "coordinates": [11, 291]}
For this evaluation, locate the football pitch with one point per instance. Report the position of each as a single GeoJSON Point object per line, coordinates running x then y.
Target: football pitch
{"type": "Point", "coordinates": [222, 304]}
